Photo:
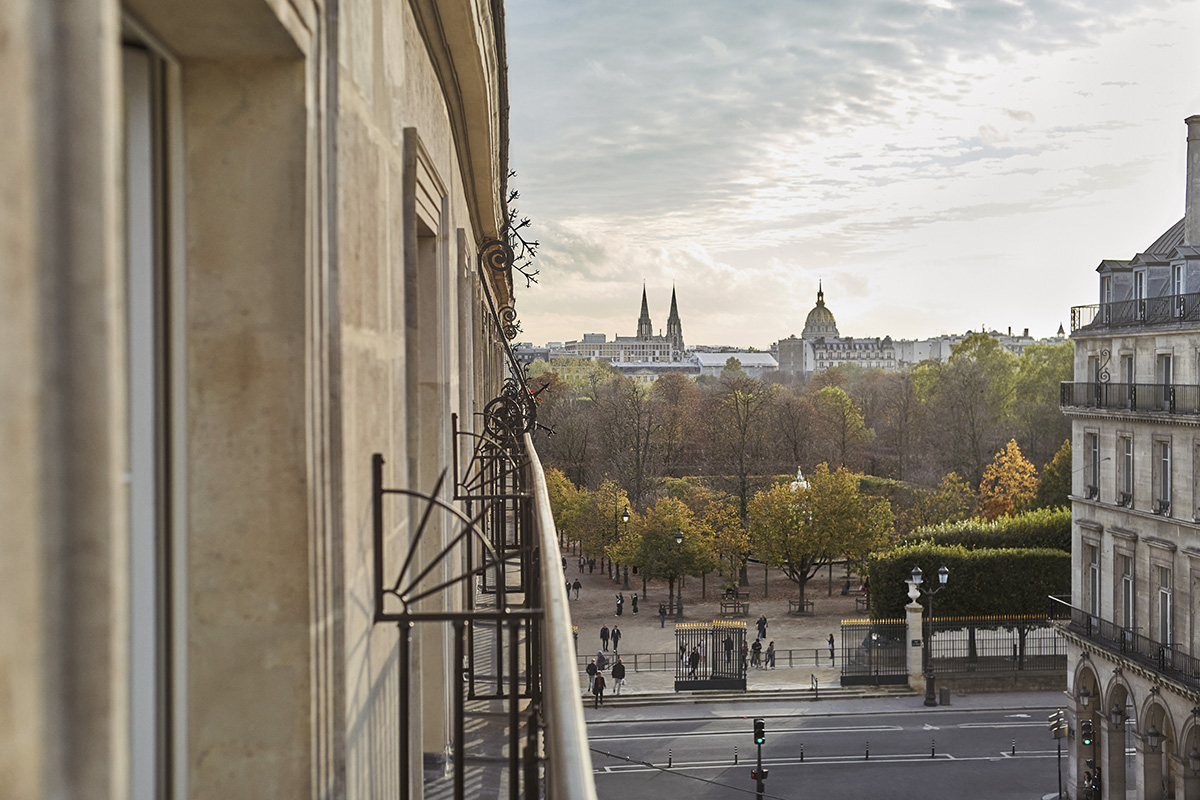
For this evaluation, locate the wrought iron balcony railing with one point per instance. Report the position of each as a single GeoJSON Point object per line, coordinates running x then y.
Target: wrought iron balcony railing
{"type": "Point", "coordinates": [1154, 398]}
{"type": "Point", "coordinates": [1168, 659]}
{"type": "Point", "coordinates": [1162, 310]}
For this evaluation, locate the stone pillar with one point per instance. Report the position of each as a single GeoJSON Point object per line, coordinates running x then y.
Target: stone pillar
{"type": "Point", "coordinates": [913, 617]}
{"type": "Point", "coordinates": [1112, 760]}
{"type": "Point", "coordinates": [1187, 783]}
{"type": "Point", "coordinates": [1149, 771]}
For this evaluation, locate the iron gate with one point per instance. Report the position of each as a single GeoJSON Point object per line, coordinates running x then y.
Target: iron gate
{"type": "Point", "coordinates": [874, 652]}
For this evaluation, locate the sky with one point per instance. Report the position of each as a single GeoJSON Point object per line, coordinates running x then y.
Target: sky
{"type": "Point", "coordinates": [937, 165]}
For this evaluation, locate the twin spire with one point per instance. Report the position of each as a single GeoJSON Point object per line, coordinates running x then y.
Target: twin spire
{"type": "Point", "coordinates": [645, 329]}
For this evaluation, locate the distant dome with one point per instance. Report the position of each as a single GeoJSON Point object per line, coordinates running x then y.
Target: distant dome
{"type": "Point", "coordinates": [820, 320]}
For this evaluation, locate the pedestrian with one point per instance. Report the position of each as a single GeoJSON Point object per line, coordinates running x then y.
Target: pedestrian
{"type": "Point", "coordinates": [693, 662]}
{"type": "Point", "coordinates": [591, 565]}
{"type": "Point", "coordinates": [601, 662]}
{"type": "Point", "coordinates": [635, 602]}
{"type": "Point", "coordinates": [728, 647]}
{"type": "Point", "coordinates": [770, 656]}
{"type": "Point", "coordinates": [591, 671]}
{"type": "Point", "coordinates": [616, 638]}
{"type": "Point", "coordinates": [564, 558]}
{"type": "Point", "coordinates": [598, 691]}
{"type": "Point", "coordinates": [1088, 792]}
{"type": "Point", "coordinates": [756, 654]}
{"type": "Point", "coordinates": [582, 563]}
{"type": "Point", "coordinates": [603, 637]}
{"type": "Point", "coordinates": [618, 674]}
{"type": "Point", "coordinates": [762, 626]}
{"type": "Point", "coordinates": [568, 589]}
{"type": "Point", "coordinates": [744, 653]}
{"type": "Point", "coordinates": [620, 603]}
{"type": "Point", "coordinates": [830, 643]}
{"type": "Point", "coordinates": [577, 586]}
{"type": "Point", "coordinates": [662, 615]}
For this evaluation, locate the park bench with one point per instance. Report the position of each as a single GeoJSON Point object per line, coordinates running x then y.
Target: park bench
{"type": "Point", "coordinates": [734, 608]}
{"type": "Point", "coordinates": [798, 607]}
{"type": "Point", "coordinates": [861, 603]}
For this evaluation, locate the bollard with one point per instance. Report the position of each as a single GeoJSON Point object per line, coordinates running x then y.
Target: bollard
{"type": "Point", "coordinates": [670, 756]}
{"type": "Point", "coordinates": [1014, 747]}
{"type": "Point", "coordinates": [933, 748]}
{"type": "Point", "coordinates": [802, 751]}
{"type": "Point", "coordinates": [868, 756]}
{"type": "Point", "coordinates": [735, 754]}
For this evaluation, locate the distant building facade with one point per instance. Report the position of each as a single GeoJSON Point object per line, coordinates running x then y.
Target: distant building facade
{"type": "Point", "coordinates": [642, 348]}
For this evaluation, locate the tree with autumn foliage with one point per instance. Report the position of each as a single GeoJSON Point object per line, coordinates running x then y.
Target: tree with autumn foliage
{"type": "Point", "coordinates": [1054, 488]}
{"type": "Point", "coordinates": [951, 500]}
{"type": "Point", "coordinates": [801, 527]}
{"type": "Point", "coordinates": [650, 543]}
{"type": "Point", "coordinates": [1009, 483]}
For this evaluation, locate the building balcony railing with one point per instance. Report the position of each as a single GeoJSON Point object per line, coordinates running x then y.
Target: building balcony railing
{"type": "Point", "coordinates": [1167, 659]}
{"type": "Point", "coordinates": [1154, 398]}
{"type": "Point", "coordinates": [1174, 308]}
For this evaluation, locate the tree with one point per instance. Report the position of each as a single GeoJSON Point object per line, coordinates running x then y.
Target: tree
{"type": "Point", "coordinates": [971, 399]}
{"type": "Point", "coordinates": [629, 428]}
{"type": "Point", "coordinates": [801, 528]}
{"type": "Point", "coordinates": [676, 400]}
{"type": "Point", "coordinates": [650, 544]}
{"type": "Point", "coordinates": [1041, 370]}
{"type": "Point", "coordinates": [1009, 483]}
{"type": "Point", "coordinates": [602, 518]}
{"type": "Point", "coordinates": [840, 423]}
{"type": "Point", "coordinates": [951, 501]}
{"type": "Point", "coordinates": [1054, 489]}
{"type": "Point", "coordinates": [738, 413]}
{"type": "Point", "coordinates": [567, 503]}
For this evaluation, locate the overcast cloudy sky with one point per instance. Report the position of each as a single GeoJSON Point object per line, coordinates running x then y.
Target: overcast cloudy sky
{"type": "Point", "coordinates": [938, 164]}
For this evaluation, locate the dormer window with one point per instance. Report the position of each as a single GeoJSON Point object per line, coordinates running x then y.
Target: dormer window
{"type": "Point", "coordinates": [1106, 289]}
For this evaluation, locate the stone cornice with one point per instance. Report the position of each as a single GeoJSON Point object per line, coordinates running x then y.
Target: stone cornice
{"type": "Point", "coordinates": [1129, 666]}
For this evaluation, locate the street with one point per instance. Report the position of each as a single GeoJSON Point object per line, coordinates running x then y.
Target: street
{"type": "Point", "coordinates": [950, 754]}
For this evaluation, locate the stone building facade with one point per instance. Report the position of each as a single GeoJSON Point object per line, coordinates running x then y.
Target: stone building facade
{"type": "Point", "coordinates": [239, 251]}
{"type": "Point", "coordinates": [1134, 630]}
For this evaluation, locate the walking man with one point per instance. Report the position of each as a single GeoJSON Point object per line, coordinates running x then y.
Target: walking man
{"type": "Point", "coordinates": [618, 674]}
{"type": "Point", "coordinates": [762, 626]}
{"type": "Point", "coordinates": [620, 603]}
{"type": "Point", "coordinates": [770, 656]}
{"type": "Point", "coordinates": [577, 586]}
{"type": "Point", "coordinates": [616, 638]}
{"type": "Point", "coordinates": [830, 648]}
{"type": "Point", "coordinates": [582, 564]}
{"type": "Point", "coordinates": [604, 637]}
{"type": "Point", "coordinates": [635, 602]}
{"type": "Point", "coordinates": [592, 671]}
{"type": "Point", "coordinates": [662, 615]}
{"type": "Point", "coordinates": [598, 691]}
{"type": "Point", "coordinates": [693, 662]}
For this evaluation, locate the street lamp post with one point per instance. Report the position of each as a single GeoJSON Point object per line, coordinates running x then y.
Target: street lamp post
{"type": "Point", "coordinates": [678, 556]}
{"type": "Point", "coordinates": [917, 579]}
{"type": "Point", "coordinates": [625, 519]}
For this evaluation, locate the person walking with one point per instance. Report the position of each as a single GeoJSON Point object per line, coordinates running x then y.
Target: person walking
{"type": "Point", "coordinates": [743, 653]}
{"type": "Point", "coordinates": [598, 691]}
{"type": "Point", "coordinates": [727, 645]}
{"type": "Point", "coordinates": [591, 565]}
{"type": "Point", "coordinates": [592, 671]}
{"type": "Point", "coordinates": [620, 603]}
{"type": "Point", "coordinates": [770, 656]}
{"type": "Point", "coordinates": [762, 626]}
{"type": "Point", "coordinates": [756, 654]}
{"type": "Point", "coordinates": [577, 586]}
{"type": "Point", "coordinates": [618, 673]}
{"type": "Point", "coordinates": [830, 648]}
{"type": "Point", "coordinates": [568, 589]}
{"type": "Point", "coordinates": [662, 615]}
{"type": "Point", "coordinates": [582, 564]}
{"type": "Point", "coordinates": [693, 662]}
{"type": "Point", "coordinates": [601, 662]}
{"type": "Point", "coordinates": [616, 638]}
{"type": "Point", "coordinates": [603, 637]}
{"type": "Point", "coordinates": [635, 602]}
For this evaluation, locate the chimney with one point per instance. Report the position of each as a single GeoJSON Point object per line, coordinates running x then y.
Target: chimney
{"type": "Point", "coordinates": [1191, 218]}
{"type": "Point", "coordinates": [1026, 335]}
{"type": "Point", "coordinates": [1010, 330]}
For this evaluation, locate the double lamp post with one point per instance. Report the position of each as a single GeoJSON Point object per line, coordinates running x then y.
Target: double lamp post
{"type": "Point", "coordinates": [915, 590]}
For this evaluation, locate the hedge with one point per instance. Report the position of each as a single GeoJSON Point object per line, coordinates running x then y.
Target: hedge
{"type": "Point", "coordinates": [1048, 528]}
{"type": "Point", "coordinates": [981, 582]}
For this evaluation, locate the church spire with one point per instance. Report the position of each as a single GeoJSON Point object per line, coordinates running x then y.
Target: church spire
{"type": "Point", "coordinates": [645, 329]}
{"type": "Point", "coordinates": [675, 327]}
{"type": "Point", "coordinates": [820, 293]}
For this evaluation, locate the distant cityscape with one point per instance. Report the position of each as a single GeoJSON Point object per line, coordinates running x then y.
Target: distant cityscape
{"type": "Point", "coordinates": [646, 356]}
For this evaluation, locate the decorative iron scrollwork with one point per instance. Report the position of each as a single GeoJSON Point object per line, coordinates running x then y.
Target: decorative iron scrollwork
{"type": "Point", "coordinates": [497, 254]}
{"type": "Point", "coordinates": [1102, 370]}
{"type": "Point", "coordinates": [508, 322]}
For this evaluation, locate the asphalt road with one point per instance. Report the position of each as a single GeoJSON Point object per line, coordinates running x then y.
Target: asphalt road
{"type": "Point", "coordinates": [980, 755]}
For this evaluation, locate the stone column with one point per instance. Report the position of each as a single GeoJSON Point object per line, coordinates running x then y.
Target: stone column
{"type": "Point", "coordinates": [1149, 771]}
{"type": "Point", "coordinates": [913, 617]}
{"type": "Point", "coordinates": [1112, 760]}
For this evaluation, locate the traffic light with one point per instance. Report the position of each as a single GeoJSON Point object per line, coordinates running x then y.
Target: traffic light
{"type": "Point", "coordinates": [1058, 724]}
{"type": "Point", "coordinates": [758, 774]}
{"type": "Point", "coordinates": [1085, 732]}
{"type": "Point", "coordinates": [760, 731]}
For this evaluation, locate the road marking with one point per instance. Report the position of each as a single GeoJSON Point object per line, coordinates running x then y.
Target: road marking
{"type": "Point", "coordinates": [1001, 725]}
{"type": "Point", "coordinates": [929, 727]}
{"type": "Point", "coordinates": [773, 731]}
{"type": "Point", "coordinates": [812, 761]}
{"type": "Point", "coordinates": [1018, 716]}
